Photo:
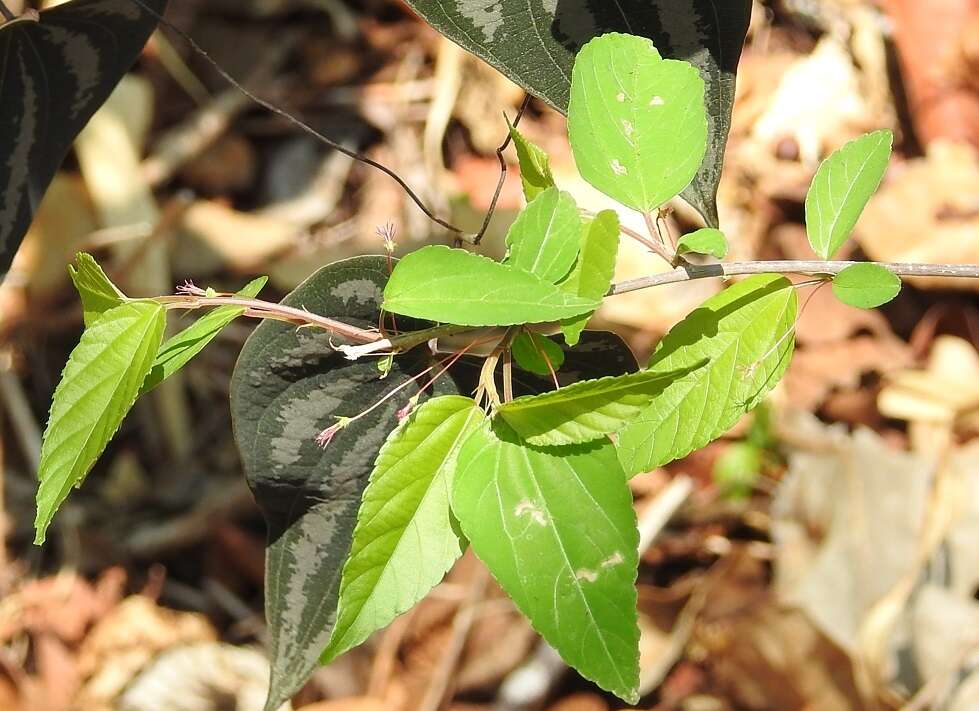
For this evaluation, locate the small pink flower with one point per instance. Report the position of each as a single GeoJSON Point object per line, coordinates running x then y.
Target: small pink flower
{"type": "Point", "coordinates": [327, 435]}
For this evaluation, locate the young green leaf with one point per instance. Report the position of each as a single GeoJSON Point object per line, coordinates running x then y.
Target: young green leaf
{"type": "Point", "coordinates": [97, 292]}
{"type": "Point", "coordinates": [177, 351]}
{"type": "Point", "coordinates": [406, 537]}
{"type": "Point", "coordinates": [537, 354]}
{"type": "Point", "coordinates": [585, 411]}
{"type": "Point", "coordinates": [535, 166]}
{"type": "Point", "coordinates": [98, 387]}
{"type": "Point", "coordinates": [841, 189]}
{"type": "Point", "coordinates": [705, 241]}
{"type": "Point", "coordinates": [558, 532]}
{"type": "Point", "coordinates": [592, 275]}
{"type": "Point", "coordinates": [454, 286]}
{"type": "Point", "coordinates": [746, 335]}
{"type": "Point", "coordinates": [637, 122]}
{"type": "Point", "coordinates": [545, 238]}
{"type": "Point", "coordinates": [866, 286]}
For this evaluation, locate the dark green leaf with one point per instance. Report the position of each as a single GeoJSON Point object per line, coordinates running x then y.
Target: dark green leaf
{"type": "Point", "coordinates": [558, 532]}
{"type": "Point", "coordinates": [459, 287]}
{"type": "Point", "coordinates": [746, 335]}
{"type": "Point", "coordinates": [177, 351]}
{"type": "Point", "coordinates": [288, 386]}
{"type": "Point", "coordinates": [97, 292]}
{"type": "Point", "coordinates": [54, 74]}
{"type": "Point", "coordinates": [534, 43]}
{"type": "Point", "coordinates": [866, 286]}
{"type": "Point", "coordinates": [98, 387]}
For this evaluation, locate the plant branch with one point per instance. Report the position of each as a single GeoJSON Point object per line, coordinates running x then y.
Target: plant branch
{"type": "Point", "coordinates": [689, 272]}
{"type": "Point", "coordinates": [299, 123]}
{"type": "Point", "coordinates": [278, 312]}
{"type": "Point", "coordinates": [8, 16]}
{"type": "Point", "coordinates": [477, 238]}
{"type": "Point", "coordinates": [652, 245]}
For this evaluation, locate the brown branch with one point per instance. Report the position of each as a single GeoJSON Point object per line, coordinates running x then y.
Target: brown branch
{"type": "Point", "coordinates": [689, 272]}
{"type": "Point", "coordinates": [8, 16]}
{"type": "Point", "coordinates": [257, 308]}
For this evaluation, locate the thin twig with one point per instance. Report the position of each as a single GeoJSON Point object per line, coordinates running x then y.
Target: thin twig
{"type": "Point", "coordinates": [270, 310]}
{"type": "Point", "coordinates": [299, 123]}
{"type": "Point", "coordinates": [7, 14]}
{"type": "Point", "coordinates": [657, 248]}
{"type": "Point", "coordinates": [689, 272]}
{"type": "Point", "coordinates": [503, 171]}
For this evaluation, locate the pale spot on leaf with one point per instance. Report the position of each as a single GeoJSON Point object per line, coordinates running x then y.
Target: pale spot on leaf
{"type": "Point", "coordinates": [618, 168]}
{"type": "Point", "coordinates": [528, 508]}
{"type": "Point", "coordinates": [585, 574]}
{"type": "Point", "coordinates": [657, 101]}
{"type": "Point", "coordinates": [613, 560]}
{"type": "Point", "coordinates": [620, 97]}
{"type": "Point", "coordinates": [628, 128]}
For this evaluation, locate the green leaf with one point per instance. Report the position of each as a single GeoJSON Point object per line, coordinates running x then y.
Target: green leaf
{"type": "Point", "coordinates": [535, 166]}
{"type": "Point", "coordinates": [454, 286]}
{"type": "Point", "coordinates": [841, 189]}
{"type": "Point", "coordinates": [534, 43]}
{"type": "Point", "coordinates": [593, 274]}
{"type": "Point", "coordinates": [288, 386]}
{"type": "Point", "coordinates": [705, 241]}
{"type": "Point", "coordinates": [737, 470]}
{"type": "Point", "coordinates": [98, 387]}
{"type": "Point", "coordinates": [544, 239]}
{"type": "Point", "coordinates": [585, 411]}
{"type": "Point", "coordinates": [558, 532]}
{"type": "Point", "coordinates": [54, 74]}
{"type": "Point", "coordinates": [537, 354]}
{"type": "Point", "coordinates": [97, 292]}
{"type": "Point", "coordinates": [746, 334]}
{"type": "Point", "coordinates": [866, 285]}
{"type": "Point", "coordinates": [406, 536]}
{"type": "Point", "coordinates": [177, 351]}
{"type": "Point", "coordinates": [637, 122]}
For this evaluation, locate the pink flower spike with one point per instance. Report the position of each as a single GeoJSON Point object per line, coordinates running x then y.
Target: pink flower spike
{"type": "Point", "coordinates": [327, 435]}
{"type": "Point", "coordinates": [387, 233]}
{"type": "Point", "coordinates": [406, 410]}
{"type": "Point", "coordinates": [190, 289]}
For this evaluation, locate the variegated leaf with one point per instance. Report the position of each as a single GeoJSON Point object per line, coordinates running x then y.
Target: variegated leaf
{"type": "Point", "coordinates": [288, 386]}
{"type": "Point", "coordinates": [534, 43]}
{"type": "Point", "coordinates": [54, 73]}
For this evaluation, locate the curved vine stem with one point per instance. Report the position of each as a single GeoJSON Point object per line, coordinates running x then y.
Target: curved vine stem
{"type": "Point", "coordinates": [8, 16]}
{"type": "Point", "coordinates": [299, 123]}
